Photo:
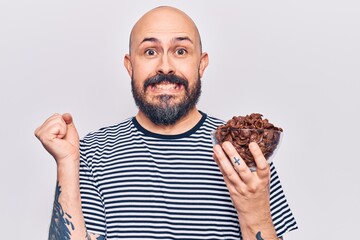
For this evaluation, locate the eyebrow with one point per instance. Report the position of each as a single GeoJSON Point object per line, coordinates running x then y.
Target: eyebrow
{"type": "Point", "coordinates": [182, 39]}
{"type": "Point", "coordinates": [150, 39]}
{"type": "Point", "coordinates": [155, 40]}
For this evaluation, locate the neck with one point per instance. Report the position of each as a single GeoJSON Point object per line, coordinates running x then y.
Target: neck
{"type": "Point", "coordinates": [184, 124]}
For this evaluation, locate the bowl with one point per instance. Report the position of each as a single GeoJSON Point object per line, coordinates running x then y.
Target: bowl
{"type": "Point", "coordinates": [268, 140]}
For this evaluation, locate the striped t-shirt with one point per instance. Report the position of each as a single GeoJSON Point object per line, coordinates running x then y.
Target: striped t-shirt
{"type": "Point", "coordinates": [136, 184]}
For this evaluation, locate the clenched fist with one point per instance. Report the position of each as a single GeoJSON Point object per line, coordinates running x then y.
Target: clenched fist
{"type": "Point", "coordinates": [60, 138]}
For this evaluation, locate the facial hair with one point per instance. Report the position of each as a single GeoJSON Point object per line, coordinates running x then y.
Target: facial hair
{"type": "Point", "coordinates": [165, 112]}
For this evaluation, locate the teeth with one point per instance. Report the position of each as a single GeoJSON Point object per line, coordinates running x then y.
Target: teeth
{"type": "Point", "coordinates": [168, 86]}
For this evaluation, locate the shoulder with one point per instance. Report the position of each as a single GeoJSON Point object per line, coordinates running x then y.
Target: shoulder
{"type": "Point", "coordinates": [213, 121]}
{"type": "Point", "coordinates": [208, 124]}
{"type": "Point", "coordinates": [109, 131]}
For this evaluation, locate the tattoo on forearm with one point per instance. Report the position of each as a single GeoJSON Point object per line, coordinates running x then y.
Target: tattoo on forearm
{"type": "Point", "coordinates": [60, 222]}
{"type": "Point", "coordinates": [87, 236]}
{"type": "Point", "coordinates": [100, 237]}
{"type": "Point", "coordinates": [258, 236]}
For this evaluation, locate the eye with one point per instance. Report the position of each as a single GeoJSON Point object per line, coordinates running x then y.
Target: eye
{"type": "Point", "coordinates": [181, 51]}
{"type": "Point", "coordinates": [150, 52]}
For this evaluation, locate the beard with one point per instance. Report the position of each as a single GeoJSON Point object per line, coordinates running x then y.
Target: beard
{"type": "Point", "coordinates": [166, 112]}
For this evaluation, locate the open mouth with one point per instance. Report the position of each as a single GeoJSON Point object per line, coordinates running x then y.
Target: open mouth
{"type": "Point", "coordinates": [165, 86]}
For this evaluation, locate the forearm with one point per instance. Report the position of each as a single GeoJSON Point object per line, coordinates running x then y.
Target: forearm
{"type": "Point", "coordinates": [67, 220]}
{"type": "Point", "coordinates": [258, 226]}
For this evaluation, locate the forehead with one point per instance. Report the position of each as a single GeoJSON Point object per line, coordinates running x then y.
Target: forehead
{"type": "Point", "coordinates": [164, 24]}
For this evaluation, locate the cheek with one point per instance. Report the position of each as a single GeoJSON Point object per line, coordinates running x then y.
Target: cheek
{"type": "Point", "coordinates": [142, 71]}
{"type": "Point", "coordinates": [189, 68]}
{"type": "Point", "coordinates": [191, 74]}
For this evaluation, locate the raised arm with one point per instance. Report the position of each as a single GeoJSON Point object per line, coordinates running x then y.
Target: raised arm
{"type": "Point", "coordinates": [249, 191]}
{"type": "Point", "coordinates": [60, 138]}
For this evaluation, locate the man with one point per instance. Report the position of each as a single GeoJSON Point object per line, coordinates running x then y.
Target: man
{"type": "Point", "coordinates": [154, 176]}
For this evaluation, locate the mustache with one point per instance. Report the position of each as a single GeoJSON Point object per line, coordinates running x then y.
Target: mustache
{"type": "Point", "coordinates": [170, 78]}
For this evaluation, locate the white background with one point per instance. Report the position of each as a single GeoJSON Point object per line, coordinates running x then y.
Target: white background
{"type": "Point", "coordinates": [297, 62]}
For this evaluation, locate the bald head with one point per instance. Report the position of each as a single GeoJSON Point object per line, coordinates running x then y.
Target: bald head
{"type": "Point", "coordinates": [162, 20]}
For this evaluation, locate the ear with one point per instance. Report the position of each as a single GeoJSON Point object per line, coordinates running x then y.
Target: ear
{"type": "Point", "coordinates": [128, 65]}
{"type": "Point", "coordinates": [204, 61]}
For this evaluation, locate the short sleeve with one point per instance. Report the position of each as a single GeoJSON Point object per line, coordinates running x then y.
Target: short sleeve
{"type": "Point", "coordinates": [282, 216]}
{"type": "Point", "coordinates": [91, 200]}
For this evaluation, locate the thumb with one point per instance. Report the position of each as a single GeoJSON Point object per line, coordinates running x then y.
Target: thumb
{"type": "Point", "coordinates": [71, 133]}
{"type": "Point", "coordinates": [68, 119]}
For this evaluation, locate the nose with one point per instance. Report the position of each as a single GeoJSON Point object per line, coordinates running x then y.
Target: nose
{"type": "Point", "coordinates": [165, 65]}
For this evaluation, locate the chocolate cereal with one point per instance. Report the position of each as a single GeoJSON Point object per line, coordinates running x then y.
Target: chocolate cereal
{"type": "Point", "coordinates": [241, 130]}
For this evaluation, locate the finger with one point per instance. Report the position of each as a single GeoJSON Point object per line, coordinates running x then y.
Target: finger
{"type": "Point", "coordinates": [232, 179]}
{"type": "Point", "coordinates": [229, 184]}
{"type": "Point", "coordinates": [261, 163]}
{"type": "Point", "coordinates": [38, 129]}
{"type": "Point", "coordinates": [218, 163]}
{"type": "Point", "coordinates": [54, 127]}
{"type": "Point", "coordinates": [238, 164]}
{"type": "Point", "coordinates": [226, 166]}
